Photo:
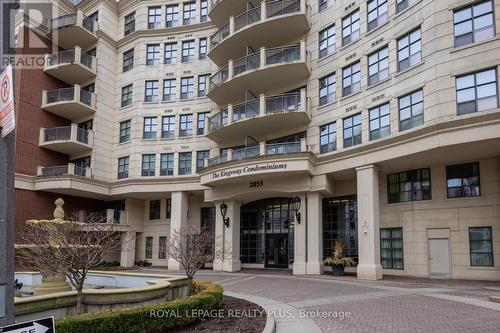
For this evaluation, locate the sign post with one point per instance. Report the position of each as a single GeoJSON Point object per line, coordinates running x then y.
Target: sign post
{"type": "Point", "coordinates": [45, 325]}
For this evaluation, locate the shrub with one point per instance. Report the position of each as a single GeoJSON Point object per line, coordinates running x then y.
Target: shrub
{"type": "Point", "coordinates": [142, 263]}
{"type": "Point", "coordinates": [139, 319]}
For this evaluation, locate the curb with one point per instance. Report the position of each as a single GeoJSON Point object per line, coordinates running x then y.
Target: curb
{"type": "Point", "coordinates": [270, 321]}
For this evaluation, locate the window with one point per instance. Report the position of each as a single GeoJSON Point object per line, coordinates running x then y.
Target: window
{"type": "Point", "coordinates": [154, 17]}
{"type": "Point", "coordinates": [378, 66]}
{"type": "Point", "coordinates": [380, 121]}
{"type": "Point", "coordinates": [200, 159]}
{"type": "Point", "coordinates": [202, 54]}
{"type": "Point", "coordinates": [169, 90]}
{"type": "Point", "coordinates": [187, 50]}
{"type": "Point", "coordinates": [149, 248]}
{"type": "Point", "coordinates": [127, 95]}
{"type": "Point", "coordinates": [477, 92]}
{"type": "Point", "coordinates": [185, 163]}
{"type": "Point", "coordinates": [187, 87]}
{"type": "Point", "coordinates": [481, 246]}
{"type": "Point", "coordinates": [167, 164]}
{"type": "Point", "coordinates": [203, 10]}
{"type": "Point", "coordinates": [474, 23]}
{"type": "Point", "coordinates": [202, 84]}
{"type": "Point", "coordinates": [94, 16]}
{"type": "Point", "coordinates": [170, 53]}
{"type": "Point", "coordinates": [149, 129]}
{"type": "Point", "coordinates": [350, 28]}
{"type": "Point", "coordinates": [186, 125]}
{"type": "Point", "coordinates": [352, 130]}
{"type": "Point", "coordinates": [128, 60]}
{"type": "Point", "coordinates": [328, 138]}
{"type": "Point", "coordinates": [123, 167]}
{"type": "Point", "coordinates": [327, 41]}
{"type": "Point", "coordinates": [168, 127]}
{"type": "Point", "coordinates": [351, 79]}
{"type": "Point", "coordinates": [327, 89]}
{"type": "Point", "coordinates": [151, 92]}
{"type": "Point", "coordinates": [162, 247]}
{"type": "Point", "coordinates": [391, 248]}
{"type": "Point", "coordinates": [413, 185]}
{"type": "Point", "coordinates": [90, 88]}
{"type": "Point", "coordinates": [324, 4]}
{"type": "Point", "coordinates": [172, 19]}
{"type": "Point", "coordinates": [153, 54]}
{"type": "Point", "coordinates": [377, 13]}
{"type": "Point", "coordinates": [129, 24]}
{"type": "Point", "coordinates": [154, 209]}
{"type": "Point", "coordinates": [411, 110]}
{"type": "Point", "coordinates": [409, 50]}
{"type": "Point", "coordinates": [168, 211]}
{"type": "Point", "coordinates": [92, 52]}
{"type": "Point", "coordinates": [189, 13]}
{"type": "Point", "coordinates": [403, 4]}
{"type": "Point", "coordinates": [200, 125]}
{"type": "Point", "coordinates": [462, 180]}
{"type": "Point", "coordinates": [148, 165]}
{"type": "Point", "coordinates": [125, 129]}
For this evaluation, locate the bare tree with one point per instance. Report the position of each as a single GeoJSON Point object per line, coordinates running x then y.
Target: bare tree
{"type": "Point", "coordinates": [69, 248]}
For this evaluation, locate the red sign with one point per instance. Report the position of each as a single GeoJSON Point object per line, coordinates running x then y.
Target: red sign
{"type": "Point", "coordinates": [7, 118]}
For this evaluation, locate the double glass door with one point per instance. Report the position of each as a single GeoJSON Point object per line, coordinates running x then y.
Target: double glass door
{"type": "Point", "coordinates": [276, 250]}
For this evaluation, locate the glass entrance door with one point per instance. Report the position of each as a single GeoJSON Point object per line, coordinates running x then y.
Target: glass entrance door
{"type": "Point", "coordinates": [277, 250]}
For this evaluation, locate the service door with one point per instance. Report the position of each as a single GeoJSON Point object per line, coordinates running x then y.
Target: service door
{"type": "Point", "coordinates": [439, 257]}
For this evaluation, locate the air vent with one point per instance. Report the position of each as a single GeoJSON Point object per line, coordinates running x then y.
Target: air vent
{"type": "Point", "coordinates": [351, 108]}
{"type": "Point", "coordinates": [350, 57]}
{"type": "Point", "coordinates": [350, 6]}
{"type": "Point", "coordinates": [375, 43]}
{"type": "Point", "coordinates": [378, 98]}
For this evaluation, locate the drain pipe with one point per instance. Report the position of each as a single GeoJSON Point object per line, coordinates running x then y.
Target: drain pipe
{"type": "Point", "coordinates": [305, 226]}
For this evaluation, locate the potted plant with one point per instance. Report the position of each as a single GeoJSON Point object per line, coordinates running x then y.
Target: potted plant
{"type": "Point", "coordinates": [337, 261]}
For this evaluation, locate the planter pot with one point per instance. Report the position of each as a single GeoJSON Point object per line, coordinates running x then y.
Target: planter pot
{"type": "Point", "coordinates": [338, 270]}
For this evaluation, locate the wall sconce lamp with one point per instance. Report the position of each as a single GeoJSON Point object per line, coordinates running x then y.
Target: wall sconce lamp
{"type": "Point", "coordinates": [296, 207]}
{"type": "Point", "coordinates": [223, 211]}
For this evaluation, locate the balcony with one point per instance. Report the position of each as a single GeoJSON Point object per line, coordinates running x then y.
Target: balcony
{"type": "Point", "coordinates": [69, 169]}
{"type": "Point", "coordinates": [221, 10]}
{"type": "Point", "coordinates": [71, 66]}
{"type": "Point", "coordinates": [71, 30]}
{"type": "Point", "coordinates": [67, 140]}
{"type": "Point", "coordinates": [258, 117]}
{"type": "Point", "coordinates": [269, 69]}
{"type": "Point", "coordinates": [71, 103]}
{"type": "Point", "coordinates": [272, 23]}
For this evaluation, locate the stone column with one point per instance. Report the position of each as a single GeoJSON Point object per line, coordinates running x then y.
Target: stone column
{"type": "Point", "coordinates": [369, 267]}
{"type": "Point", "coordinates": [219, 234]}
{"type": "Point", "coordinates": [178, 220]}
{"type": "Point", "coordinates": [314, 233]}
{"type": "Point", "coordinates": [127, 255]}
{"type": "Point", "coordinates": [227, 239]}
{"type": "Point", "coordinates": [299, 235]}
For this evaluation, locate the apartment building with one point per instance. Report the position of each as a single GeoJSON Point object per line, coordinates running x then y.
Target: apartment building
{"type": "Point", "coordinates": [283, 125]}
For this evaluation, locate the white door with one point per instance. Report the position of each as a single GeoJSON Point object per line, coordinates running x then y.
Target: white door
{"type": "Point", "coordinates": [439, 257]}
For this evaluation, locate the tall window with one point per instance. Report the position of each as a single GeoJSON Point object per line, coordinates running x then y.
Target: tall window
{"type": "Point", "coordinates": [351, 79]}
{"type": "Point", "coordinates": [168, 127]}
{"type": "Point", "coordinates": [350, 28]}
{"type": "Point", "coordinates": [187, 87]}
{"type": "Point", "coordinates": [380, 121]}
{"type": "Point", "coordinates": [403, 4]}
{"type": "Point", "coordinates": [148, 165]}
{"type": "Point", "coordinates": [128, 60]}
{"type": "Point", "coordinates": [151, 91]}
{"type": "Point", "coordinates": [462, 180]}
{"type": "Point", "coordinates": [172, 19]}
{"type": "Point", "coordinates": [202, 53]}
{"type": "Point", "coordinates": [378, 66]}
{"type": "Point", "coordinates": [203, 10]}
{"type": "Point", "coordinates": [149, 248]}
{"type": "Point", "coordinates": [189, 13]}
{"type": "Point", "coordinates": [168, 210]}
{"type": "Point", "coordinates": [327, 41]}
{"type": "Point", "coordinates": [153, 54]}
{"type": "Point", "coordinates": [477, 92]}
{"type": "Point", "coordinates": [169, 90]}
{"type": "Point", "coordinates": [328, 138]}
{"type": "Point", "coordinates": [127, 95]}
{"type": "Point", "coordinates": [154, 209]}
{"type": "Point", "coordinates": [481, 246]}
{"type": "Point", "coordinates": [474, 23]}
{"type": "Point", "coordinates": [324, 4]}
{"type": "Point", "coordinates": [391, 248]}
{"type": "Point", "coordinates": [412, 185]}
{"type": "Point", "coordinates": [200, 159]}
{"type": "Point", "coordinates": [185, 163]}
{"type": "Point", "coordinates": [201, 123]}
{"type": "Point", "coordinates": [352, 130]}
{"type": "Point", "coordinates": [411, 110]}
{"type": "Point", "coordinates": [409, 49]}
{"type": "Point", "coordinates": [377, 13]}
{"type": "Point", "coordinates": [154, 17]}
{"type": "Point", "coordinates": [149, 130]}
{"type": "Point", "coordinates": [125, 129]}
{"type": "Point", "coordinates": [162, 247]}
{"type": "Point", "coordinates": [327, 89]}
{"type": "Point", "coordinates": [187, 50]}
{"type": "Point", "coordinates": [170, 53]}
{"type": "Point", "coordinates": [129, 24]}
{"type": "Point", "coordinates": [167, 164]}
{"type": "Point", "coordinates": [186, 125]}
{"type": "Point", "coordinates": [123, 167]}
{"type": "Point", "coordinates": [202, 84]}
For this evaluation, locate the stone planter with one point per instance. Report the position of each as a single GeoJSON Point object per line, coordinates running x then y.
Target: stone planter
{"type": "Point", "coordinates": [338, 270]}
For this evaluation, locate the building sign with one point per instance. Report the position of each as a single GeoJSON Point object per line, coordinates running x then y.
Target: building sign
{"type": "Point", "coordinates": [250, 169]}
{"type": "Point", "coordinates": [45, 325]}
{"type": "Point", "coordinates": [7, 118]}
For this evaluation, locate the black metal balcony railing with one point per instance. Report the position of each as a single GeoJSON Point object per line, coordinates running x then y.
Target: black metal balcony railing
{"type": "Point", "coordinates": [64, 21]}
{"type": "Point", "coordinates": [61, 95]}
{"type": "Point", "coordinates": [247, 63]}
{"type": "Point", "coordinates": [283, 54]}
{"type": "Point", "coordinates": [86, 60]}
{"type": "Point", "coordinates": [86, 97]}
{"type": "Point", "coordinates": [282, 7]}
{"type": "Point", "coordinates": [220, 77]}
{"type": "Point", "coordinates": [217, 160]}
{"type": "Point", "coordinates": [69, 56]}
{"type": "Point", "coordinates": [80, 171]}
{"type": "Point", "coordinates": [249, 17]}
{"type": "Point", "coordinates": [55, 170]}
{"type": "Point", "coordinates": [64, 134]}
{"type": "Point", "coordinates": [283, 148]}
{"type": "Point", "coordinates": [246, 110]}
{"type": "Point", "coordinates": [243, 153]}
{"type": "Point", "coordinates": [218, 120]}
{"type": "Point", "coordinates": [283, 103]}
{"type": "Point", "coordinates": [220, 34]}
